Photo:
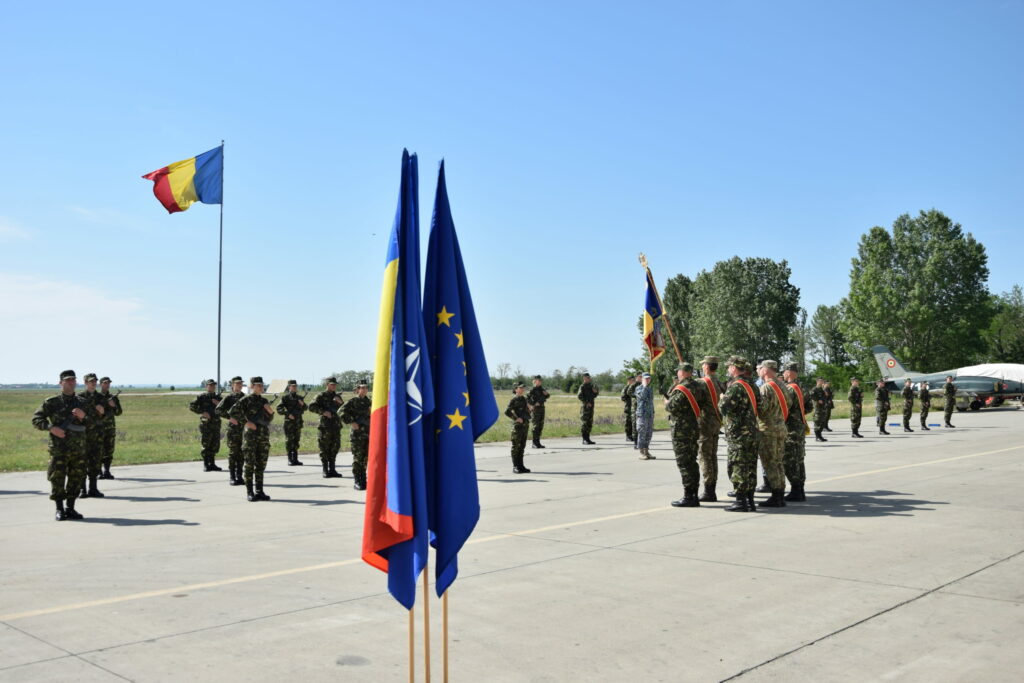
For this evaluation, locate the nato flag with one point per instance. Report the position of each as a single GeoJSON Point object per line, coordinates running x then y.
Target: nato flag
{"type": "Point", "coordinates": [464, 401]}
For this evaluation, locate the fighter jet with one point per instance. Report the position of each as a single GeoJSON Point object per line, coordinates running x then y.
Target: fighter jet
{"type": "Point", "coordinates": [988, 384]}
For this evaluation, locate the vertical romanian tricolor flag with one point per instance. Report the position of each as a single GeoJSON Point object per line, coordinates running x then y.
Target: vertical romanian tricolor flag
{"type": "Point", "coordinates": [395, 517]}
{"type": "Point", "coordinates": [199, 179]}
{"type": "Point", "coordinates": [653, 312]}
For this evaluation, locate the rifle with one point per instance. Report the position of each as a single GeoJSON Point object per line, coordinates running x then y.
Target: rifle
{"type": "Point", "coordinates": [297, 410]}
{"type": "Point", "coordinates": [262, 421]}
{"type": "Point", "coordinates": [71, 424]}
{"type": "Point", "coordinates": [218, 398]}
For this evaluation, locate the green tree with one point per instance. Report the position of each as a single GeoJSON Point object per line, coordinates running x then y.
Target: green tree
{"type": "Point", "coordinates": [921, 291]}
{"type": "Point", "coordinates": [1004, 337]}
{"type": "Point", "coordinates": [827, 341]}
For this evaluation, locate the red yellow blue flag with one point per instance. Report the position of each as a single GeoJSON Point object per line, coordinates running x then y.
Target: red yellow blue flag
{"type": "Point", "coordinates": [653, 312]}
{"type": "Point", "coordinates": [199, 179]}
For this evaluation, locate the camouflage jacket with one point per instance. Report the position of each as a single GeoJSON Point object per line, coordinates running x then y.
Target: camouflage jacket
{"type": "Point", "coordinates": [628, 396]}
{"type": "Point", "coordinates": [223, 409]}
{"type": "Point", "coordinates": [679, 407]}
{"type": "Point", "coordinates": [93, 399]}
{"type": "Point", "coordinates": [926, 397]}
{"type": "Point", "coordinates": [882, 396]}
{"type": "Point", "coordinates": [644, 400]}
{"type": "Point", "coordinates": [818, 397]}
{"type": "Point", "coordinates": [112, 411]}
{"type": "Point", "coordinates": [587, 392]}
{"type": "Point", "coordinates": [855, 396]}
{"type": "Point", "coordinates": [517, 408]}
{"type": "Point", "coordinates": [907, 394]}
{"type": "Point", "coordinates": [711, 419]}
{"type": "Point", "coordinates": [56, 412]}
{"type": "Point", "coordinates": [252, 408]}
{"type": "Point", "coordinates": [829, 403]}
{"type": "Point", "coordinates": [537, 396]}
{"type": "Point", "coordinates": [357, 410]}
{"type": "Point", "coordinates": [326, 401]}
{"type": "Point", "coordinates": [291, 404]}
{"type": "Point", "coordinates": [949, 392]}
{"type": "Point", "coordinates": [795, 422]}
{"type": "Point", "coordinates": [769, 412]}
{"type": "Point", "coordinates": [206, 403]}
{"type": "Point", "coordinates": [740, 420]}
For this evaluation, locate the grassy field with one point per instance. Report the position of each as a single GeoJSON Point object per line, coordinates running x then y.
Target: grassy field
{"type": "Point", "coordinates": [160, 428]}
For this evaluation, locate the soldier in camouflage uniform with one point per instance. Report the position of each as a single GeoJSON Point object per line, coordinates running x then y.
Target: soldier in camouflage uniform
{"type": "Point", "coordinates": [856, 399]}
{"type": "Point", "coordinates": [643, 400]}
{"type": "Point", "coordinates": [535, 399]}
{"type": "Point", "coordinates": [949, 394]}
{"type": "Point", "coordinates": [519, 412]}
{"type": "Point", "coordinates": [686, 403]}
{"type": "Point", "coordinates": [829, 404]}
{"type": "Point", "coordinates": [926, 405]}
{"type": "Point", "coordinates": [205, 405]}
{"type": "Point", "coordinates": [739, 412]}
{"type": "Point", "coordinates": [908, 404]}
{"type": "Point", "coordinates": [255, 413]}
{"type": "Point", "coordinates": [292, 406]}
{"type": "Point", "coordinates": [773, 411]}
{"type": "Point", "coordinates": [710, 425]}
{"type": "Point", "coordinates": [587, 394]}
{"type": "Point", "coordinates": [820, 402]}
{"type": "Point", "coordinates": [628, 409]}
{"type": "Point", "coordinates": [64, 417]}
{"type": "Point", "coordinates": [356, 414]}
{"type": "Point", "coordinates": [236, 461]}
{"type": "Point", "coordinates": [112, 408]}
{"type": "Point", "coordinates": [326, 404]}
{"type": "Point", "coordinates": [881, 405]}
{"type": "Point", "coordinates": [796, 429]}
{"type": "Point", "coordinates": [93, 436]}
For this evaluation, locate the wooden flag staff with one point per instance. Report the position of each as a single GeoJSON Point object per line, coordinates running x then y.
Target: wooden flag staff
{"type": "Point", "coordinates": [426, 624]}
{"type": "Point", "coordinates": [444, 633]}
{"type": "Point", "coordinates": [412, 646]}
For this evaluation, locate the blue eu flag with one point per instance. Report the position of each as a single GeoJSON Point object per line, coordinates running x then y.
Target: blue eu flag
{"type": "Point", "coordinates": [464, 403]}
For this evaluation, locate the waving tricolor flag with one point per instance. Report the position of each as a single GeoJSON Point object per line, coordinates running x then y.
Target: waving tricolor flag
{"type": "Point", "coordinates": [395, 521]}
{"type": "Point", "coordinates": [199, 179]}
{"type": "Point", "coordinates": [653, 312]}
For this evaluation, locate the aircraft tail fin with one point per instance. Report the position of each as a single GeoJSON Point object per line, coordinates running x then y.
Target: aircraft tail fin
{"type": "Point", "coordinates": [889, 364]}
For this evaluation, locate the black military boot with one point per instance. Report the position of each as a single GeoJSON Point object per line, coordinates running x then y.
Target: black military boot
{"type": "Point", "coordinates": [327, 471]}
{"type": "Point", "coordinates": [731, 494]}
{"type": "Point", "coordinates": [259, 488]}
{"type": "Point", "coordinates": [764, 488]}
{"type": "Point", "coordinates": [709, 495]}
{"type": "Point", "coordinates": [950, 425]}
{"type": "Point", "coordinates": [818, 436]}
{"type": "Point", "coordinates": [332, 472]}
{"type": "Point", "coordinates": [689, 499]}
{"type": "Point", "coordinates": [249, 494]}
{"type": "Point", "coordinates": [518, 466]}
{"type": "Point", "coordinates": [535, 444]}
{"type": "Point", "coordinates": [881, 430]}
{"type": "Point", "coordinates": [293, 459]}
{"type": "Point", "coordinates": [106, 472]}
{"type": "Point", "coordinates": [775, 501]}
{"type": "Point", "coordinates": [360, 483]}
{"type": "Point", "coordinates": [740, 505]}
{"type": "Point", "coordinates": [93, 491]}
{"type": "Point", "coordinates": [796, 494]}
{"type": "Point", "coordinates": [207, 467]}
{"type": "Point", "coordinates": [827, 428]}
{"type": "Point", "coordinates": [60, 516]}
{"type": "Point", "coordinates": [71, 512]}
{"type": "Point", "coordinates": [925, 427]}
{"type": "Point", "coordinates": [907, 428]}
{"type": "Point", "coordinates": [84, 491]}
{"type": "Point", "coordinates": [750, 502]}
{"type": "Point", "coordinates": [540, 445]}
{"type": "Point", "coordinates": [213, 465]}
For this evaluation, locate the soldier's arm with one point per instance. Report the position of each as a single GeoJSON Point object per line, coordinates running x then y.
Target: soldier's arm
{"type": "Point", "coordinates": [194, 406]}
{"type": "Point", "coordinates": [509, 412]}
{"type": "Point", "coordinates": [41, 418]}
{"type": "Point", "coordinates": [282, 408]}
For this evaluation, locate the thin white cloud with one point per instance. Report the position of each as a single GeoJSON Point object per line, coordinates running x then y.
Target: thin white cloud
{"type": "Point", "coordinates": [111, 218]}
{"type": "Point", "coordinates": [11, 231]}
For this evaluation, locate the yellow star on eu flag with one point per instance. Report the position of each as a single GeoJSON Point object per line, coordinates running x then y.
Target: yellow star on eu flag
{"type": "Point", "coordinates": [456, 420]}
{"type": "Point", "coordinates": [444, 316]}
{"type": "Point", "coordinates": [458, 335]}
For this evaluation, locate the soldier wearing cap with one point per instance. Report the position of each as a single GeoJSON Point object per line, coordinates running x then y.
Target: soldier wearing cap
{"type": "Point", "coordinates": [326, 404]}
{"type": "Point", "coordinates": [856, 399]}
{"type": "Point", "coordinates": [356, 414]}
{"type": "Point", "coordinates": [949, 396]}
{"type": "Point", "coordinates": [255, 413]}
{"type": "Point", "coordinates": [535, 400]}
{"type": "Point", "coordinates": [773, 411]}
{"type": "Point", "coordinates": [686, 403]}
{"type": "Point", "coordinates": [926, 405]}
{"type": "Point", "coordinates": [820, 402]}
{"type": "Point", "coordinates": [587, 394]}
{"type": "Point", "coordinates": [829, 404]}
{"type": "Point", "coordinates": [205, 405]}
{"type": "Point", "coordinates": [644, 400]}
{"type": "Point", "coordinates": [710, 425]}
{"type": "Point", "coordinates": [112, 408]}
{"type": "Point", "coordinates": [93, 436]}
{"type": "Point", "coordinates": [64, 417]}
{"type": "Point", "coordinates": [236, 461]}
{"type": "Point", "coordinates": [628, 410]}
{"type": "Point", "coordinates": [908, 404]}
{"type": "Point", "coordinates": [519, 412]}
{"type": "Point", "coordinates": [881, 405]}
{"type": "Point", "coordinates": [292, 406]}
{"type": "Point", "coordinates": [739, 406]}
{"type": "Point", "coordinates": [797, 430]}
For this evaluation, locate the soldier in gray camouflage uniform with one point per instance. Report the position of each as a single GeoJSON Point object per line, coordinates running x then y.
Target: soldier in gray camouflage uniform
{"type": "Point", "coordinates": [519, 412]}
{"type": "Point", "coordinates": [535, 400]}
{"type": "Point", "coordinates": [236, 461]}
{"type": "Point", "coordinates": [64, 417]}
{"type": "Point", "coordinates": [112, 408]}
{"type": "Point", "coordinates": [587, 394]}
{"type": "Point", "coordinates": [644, 402]}
{"type": "Point", "coordinates": [686, 403]}
{"type": "Point", "coordinates": [292, 406]}
{"type": "Point", "coordinates": [739, 412]}
{"type": "Point", "coordinates": [205, 405]}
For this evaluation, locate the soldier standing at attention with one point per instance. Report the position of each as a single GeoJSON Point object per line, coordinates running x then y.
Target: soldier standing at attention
{"type": "Point", "coordinates": [111, 410]}
{"type": "Point", "coordinates": [644, 403]}
{"type": "Point", "coordinates": [685, 404]}
{"type": "Point", "coordinates": [255, 412]}
{"type": "Point", "coordinates": [205, 405]}
{"type": "Point", "coordinates": [292, 407]}
{"type": "Point", "coordinates": [587, 394]}
{"type": "Point", "coordinates": [356, 414]}
{"type": "Point", "coordinates": [93, 436]}
{"type": "Point", "coordinates": [949, 394]}
{"type": "Point", "coordinates": [63, 416]}
{"type": "Point", "coordinates": [535, 400]}
{"type": "Point", "coordinates": [710, 424]}
{"type": "Point", "coordinates": [236, 460]}
{"type": "Point", "coordinates": [926, 405]}
{"type": "Point", "coordinates": [519, 412]}
{"type": "Point", "coordinates": [326, 405]}
{"type": "Point", "coordinates": [908, 404]}
{"type": "Point", "coordinates": [820, 408]}
{"type": "Point", "coordinates": [772, 414]}
{"type": "Point", "coordinates": [628, 411]}
{"type": "Point", "coordinates": [881, 405]}
{"type": "Point", "coordinates": [739, 413]}
{"type": "Point", "coordinates": [856, 399]}
{"type": "Point", "coordinates": [829, 404]}
{"type": "Point", "coordinates": [793, 461]}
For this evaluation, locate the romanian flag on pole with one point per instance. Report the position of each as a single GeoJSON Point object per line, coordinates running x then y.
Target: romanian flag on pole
{"type": "Point", "coordinates": [199, 179]}
{"type": "Point", "coordinates": [395, 517]}
{"type": "Point", "coordinates": [653, 313]}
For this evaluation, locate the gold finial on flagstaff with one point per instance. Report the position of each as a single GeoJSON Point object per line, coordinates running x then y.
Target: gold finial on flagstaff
{"type": "Point", "coordinates": [643, 259]}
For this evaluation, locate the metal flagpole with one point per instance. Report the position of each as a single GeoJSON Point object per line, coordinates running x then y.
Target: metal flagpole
{"type": "Point", "coordinates": [220, 261]}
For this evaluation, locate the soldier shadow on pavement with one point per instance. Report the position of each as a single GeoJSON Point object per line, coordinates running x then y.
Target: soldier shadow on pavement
{"type": "Point", "coordinates": [316, 502]}
{"type": "Point", "coordinates": [513, 480]}
{"type": "Point", "coordinates": [573, 474]}
{"type": "Point", "coordinates": [148, 480]}
{"type": "Point", "coordinates": [303, 486]}
{"type": "Point", "coordinates": [22, 493]}
{"type": "Point", "coordinates": [153, 499]}
{"type": "Point", "coordinates": [859, 504]}
{"type": "Point", "coordinates": [115, 521]}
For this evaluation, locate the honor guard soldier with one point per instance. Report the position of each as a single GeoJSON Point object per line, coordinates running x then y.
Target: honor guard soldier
{"type": "Point", "coordinates": [205, 405]}
{"type": "Point", "coordinates": [881, 405]}
{"type": "Point", "coordinates": [797, 430]}
{"type": "Point", "coordinates": [949, 394]}
{"type": "Point", "coordinates": [93, 436]}
{"type": "Point", "coordinates": [739, 413]}
{"type": "Point", "coordinates": [111, 410]}
{"type": "Point", "coordinates": [64, 417]}
{"type": "Point", "coordinates": [710, 425]}
{"type": "Point", "coordinates": [255, 413]}
{"type": "Point", "coordinates": [686, 403]}
{"type": "Point", "coordinates": [820, 401]}
{"type": "Point", "coordinates": [856, 399]}
{"type": "Point", "coordinates": [829, 404]}
{"type": "Point", "coordinates": [644, 402]}
{"type": "Point", "coordinates": [536, 399]}
{"type": "Point", "coordinates": [926, 405]}
{"type": "Point", "coordinates": [908, 404]}
{"type": "Point", "coordinates": [356, 414]}
{"type": "Point", "coordinates": [628, 395]}
{"type": "Point", "coordinates": [292, 406]}
{"type": "Point", "coordinates": [326, 404]}
{"type": "Point", "coordinates": [236, 461]}
{"type": "Point", "coordinates": [519, 412]}
{"type": "Point", "coordinates": [772, 414]}
{"type": "Point", "coordinates": [587, 394]}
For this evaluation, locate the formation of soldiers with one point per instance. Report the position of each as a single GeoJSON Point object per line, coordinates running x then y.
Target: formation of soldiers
{"type": "Point", "coordinates": [882, 404]}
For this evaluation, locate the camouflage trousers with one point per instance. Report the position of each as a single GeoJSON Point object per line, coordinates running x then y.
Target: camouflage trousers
{"type": "Point", "coordinates": [629, 422]}
{"type": "Point", "coordinates": [329, 441]}
{"type": "Point", "coordinates": [828, 416]}
{"type": "Point", "coordinates": [586, 420]}
{"type": "Point", "coordinates": [292, 435]}
{"type": "Point", "coordinates": [684, 444]}
{"type": "Point", "coordinates": [882, 415]}
{"type": "Point", "coordinates": [109, 442]}
{"type": "Point", "coordinates": [793, 459]}
{"type": "Point", "coordinates": [209, 437]}
{"type": "Point", "coordinates": [644, 430]}
{"type": "Point", "coordinates": [855, 411]}
{"type": "Point", "coordinates": [820, 418]}
{"type": "Point", "coordinates": [66, 471]}
{"type": "Point", "coordinates": [255, 450]}
{"type": "Point", "coordinates": [93, 450]}
{"type": "Point", "coordinates": [772, 450]}
{"type": "Point", "coordinates": [924, 414]}
{"type": "Point", "coordinates": [708, 446]}
{"type": "Point", "coordinates": [518, 441]}
{"type": "Point", "coordinates": [947, 413]}
{"type": "Point", "coordinates": [743, 465]}
{"type": "Point", "coordinates": [908, 412]}
{"type": "Point", "coordinates": [360, 439]}
{"type": "Point", "coordinates": [537, 419]}
{"type": "Point", "coordinates": [234, 439]}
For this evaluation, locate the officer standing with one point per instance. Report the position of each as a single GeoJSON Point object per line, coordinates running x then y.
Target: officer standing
{"type": "Point", "coordinates": [112, 408]}
{"type": "Point", "coordinates": [205, 405]}
{"type": "Point", "coordinates": [772, 414]}
{"type": "Point", "coordinates": [292, 406]}
{"type": "Point", "coordinates": [326, 405]}
{"type": "Point", "coordinates": [820, 400]}
{"type": "Point", "coordinates": [710, 425]}
{"type": "Point", "coordinates": [739, 413]}
{"type": "Point", "coordinates": [829, 404]}
{"type": "Point", "coordinates": [236, 461]}
{"type": "Point", "coordinates": [881, 405]}
{"type": "Point", "coordinates": [535, 400]}
{"type": "Point", "coordinates": [356, 414]}
{"type": "Point", "coordinates": [644, 405]}
{"type": "Point", "coordinates": [519, 412]}
{"type": "Point", "coordinates": [908, 404]}
{"type": "Point", "coordinates": [856, 399]}
{"type": "Point", "coordinates": [587, 394]}
{"type": "Point", "coordinates": [949, 394]}
{"type": "Point", "coordinates": [797, 430]}
{"type": "Point", "coordinates": [93, 436]}
{"type": "Point", "coordinates": [64, 417]}
{"type": "Point", "coordinates": [926, 405]}
{"type": "Point", "coordinates": [685, 404]}
{"type": "Point", "coordinates": [255, 413]}
{"type": "Point", "coordinates": [628, 396]}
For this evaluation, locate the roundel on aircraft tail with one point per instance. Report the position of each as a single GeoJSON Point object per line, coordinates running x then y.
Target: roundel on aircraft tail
{"type": "Point", "coordinates": [891, 363]}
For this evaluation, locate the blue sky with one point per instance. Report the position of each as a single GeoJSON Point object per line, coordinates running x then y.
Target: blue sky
{"type": "Point", "coordinates": [575, 136]}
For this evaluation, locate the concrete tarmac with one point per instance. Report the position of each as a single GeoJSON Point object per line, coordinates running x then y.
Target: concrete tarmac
{"type": "Point", "coordinates": [906, 563]}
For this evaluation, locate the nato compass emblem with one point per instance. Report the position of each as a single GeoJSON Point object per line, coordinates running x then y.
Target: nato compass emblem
{"type": "Point", "coordinates": [413, 397]}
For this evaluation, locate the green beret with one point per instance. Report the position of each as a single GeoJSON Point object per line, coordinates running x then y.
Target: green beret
{"type": "Point", "coordinates": [91, 377]}
{"type": "Point", "coordinates": [67, 374]}
{"type": "Point", "coordinates": [104, 379]}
